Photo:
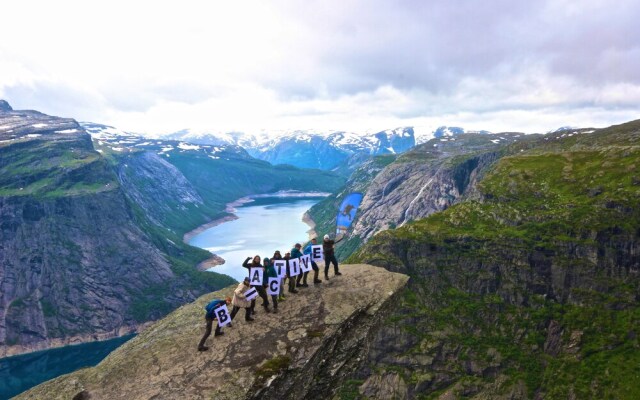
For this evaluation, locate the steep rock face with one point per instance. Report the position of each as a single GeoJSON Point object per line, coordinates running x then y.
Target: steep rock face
{"type": "Point", "coordinates": [74, 263]}
{"type": "Point", "coordinates": [158, 187]}
{"type": "Point", "coordinates": [532, 292]}
{"type": "Point", "coordinates": [321, 335]}
{"type": "Point", "coordinates": [414, 185]}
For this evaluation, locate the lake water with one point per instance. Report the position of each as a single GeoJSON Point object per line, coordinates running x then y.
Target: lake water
{"type": "Point", "coordinates": [263, 226]}
{"type": "Point", "coordinates": [19, 373]}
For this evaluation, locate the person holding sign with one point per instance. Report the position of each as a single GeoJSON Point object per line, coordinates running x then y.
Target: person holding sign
{"type": "Point", "coordinates": [291, 273]}
{"type": "Point", "coordinates": [256, 274]}
{"type": "Point", "coordinates": [209, 317]}
{"type": "Point", "coordinates": [329, 256]}
{"type": "Point", "coordinates": [316, 270]}
{"type": "Point", "coordinates": [277, 256]}
{"type": "Point", "coordinates": [240, 300]}
{"type": "Point", "coordinates": [296, 253]}
{"type": "Point", "coordinates": [271, 276]}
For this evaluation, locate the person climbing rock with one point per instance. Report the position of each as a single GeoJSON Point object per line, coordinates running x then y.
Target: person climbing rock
{"type": "Point", "coordinates": [209, 317]}
{"type": "Point", "coordinates": [329, 256]}
{"type": "Point", "coordinates": [316, 270]}
{"type": "Point", "coordinates": [255, 263]}
{"type": "Point", "coordinates": [240, 301]}
{"type": "Point", "coordinates": [296, 253]}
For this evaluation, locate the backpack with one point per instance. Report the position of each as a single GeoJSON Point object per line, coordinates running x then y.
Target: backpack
{"type": "Point", "coordinates": [213, 305]}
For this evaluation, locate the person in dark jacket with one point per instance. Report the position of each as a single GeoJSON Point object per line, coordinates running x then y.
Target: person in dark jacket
{"type": "Point", "coordinates": [292, 279]}
{"type": "Point", "coordinates": [209, 317]}
{"type": "Point", "coordinates": [271, 273]}
{"type": "Point", "coordinates": [329, 256]}
{"type": "Point", "coordinates": [255, 263]}
{"type": "Point", "coordinates": [316, 270]}
{"type": "Point", "coordinates": [296, 253]}
{"type": "Point", "coordinates": [278, 256]}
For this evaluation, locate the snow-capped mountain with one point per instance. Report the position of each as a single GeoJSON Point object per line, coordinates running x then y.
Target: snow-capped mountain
{"type": "Point", "coordinates": [309, 149]}
{"type": "Point", "coordinates": [110, 139]}
{"type": "Point", "coordinates": [445, 131]}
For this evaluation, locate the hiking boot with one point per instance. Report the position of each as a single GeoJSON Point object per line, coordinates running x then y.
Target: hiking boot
{"type": "Point", "coordinates": [267, 309]}
{"type": "Point", "coordinates": [293, 291]}
{"type": "Point", "coordinates": [304, 285]}
{"type": "Point", "coordinates": [230, 325]}
{"type": "Point", "coordinates": [326, 277]}
{"type": "Point", "coordinates": [218, 334]}
{"type": "Point", "coordinates": [275, 310]}
{"type": "Point", "coordinates": [248, 319]}
{"type": "Point", "coordinates": [203, 348]}
{"type": "Point", "coordinates": [338, 273]}
{"type": "Point", "coordinates": [316, 281]}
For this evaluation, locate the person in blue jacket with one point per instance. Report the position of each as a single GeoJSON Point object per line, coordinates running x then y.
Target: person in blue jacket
{"type": "Point", "coordinates": [302, 277]}
{"type": "Point", "coordinates": [209, 317]}
{"type": "Point", "coordinates": [307, 250]}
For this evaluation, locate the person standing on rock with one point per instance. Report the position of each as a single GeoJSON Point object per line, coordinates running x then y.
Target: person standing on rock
{"type": "Point", "coordinates": [292, 279]}
{"type": "Point", "coordinates": [209, 317]}
{"type": "Point", "coordinates": [278, 256]}
{"type": "Point", "coordinates": [261, 292]}
{"type": "Point", "coordinates": [240, 301]}
{"type": "Point", "coordinates": [296, 253]}
{"type": "Point", "coordinates": [271, 273]}
{"type": "Point", "coordinates": [316, 270]}
{"type": "Point", "coordinates": [329, 256]}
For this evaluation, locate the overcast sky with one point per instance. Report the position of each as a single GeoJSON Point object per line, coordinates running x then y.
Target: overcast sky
{"type": "Point", "coordinates": [158, 67]}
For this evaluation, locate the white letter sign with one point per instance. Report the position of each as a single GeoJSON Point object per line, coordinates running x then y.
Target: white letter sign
{"type": "Point", "coordinates": [316, 252]}
{"type": "Point", "coordinates": [305, 263]}
{"type": "Point", "coordinates": [255, 276]}
{"type": "Point", "coordinates": [281, 267]}
{"type": "Point", "coordinates": [222, 314]}
{"type": "Point", "coordinates": [294, 267]}
{"type": "Point", "coordinates": [251, 294]}
{"type": "Point", "coordinates": [274, 286]}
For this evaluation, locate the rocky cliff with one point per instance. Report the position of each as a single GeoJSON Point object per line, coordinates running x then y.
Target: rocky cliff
{"type": "Point", "coordinates": [529, 290]}
{"type": "Point", "coordinates": [427, 179]}
{"type": "Point", "coordinates": [320, 336]}
{"type": "Point", "coordinates": [75, 263]}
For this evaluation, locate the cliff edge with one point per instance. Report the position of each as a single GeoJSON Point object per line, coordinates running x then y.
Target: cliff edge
{"type": "Point", "coordinates": [319, 337]}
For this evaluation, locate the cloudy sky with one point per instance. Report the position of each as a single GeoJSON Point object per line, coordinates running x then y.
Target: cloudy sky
{"type": "Point", "coordinates": [157, 67]}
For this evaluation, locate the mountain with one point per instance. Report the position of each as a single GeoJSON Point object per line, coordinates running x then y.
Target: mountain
{"type": "Point", "coordinates": [307, 149]}
{"type": "Point", "coordinates": [427, 179]}
{"type": "Point", "coordinates": [91, 230]}
{"type": "Point", "coordinates": [75, 261]}
{"type": "Point", "coordinates": [319, 337]}
{"type": "Point", "coordinates": [529, 288]}
{"type": "Point", "coordinates": [207, 176]}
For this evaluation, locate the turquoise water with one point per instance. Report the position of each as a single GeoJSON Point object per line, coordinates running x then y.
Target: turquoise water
{"type": "Point", "coordinates": [19, 373]}
{"type": "Point", "coordinates": [263, 226]}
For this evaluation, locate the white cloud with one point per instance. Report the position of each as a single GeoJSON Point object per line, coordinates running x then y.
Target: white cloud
{"type": "Point", "coordinates": [358, 65]}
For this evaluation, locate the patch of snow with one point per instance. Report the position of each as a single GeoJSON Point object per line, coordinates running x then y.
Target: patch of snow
{"type": "Point", "coordinates": [39, 125]}
{"type": "Point", "coordinates": [187, 146]}
{"type": "Point", "coordinates": [100, 150]}
{"type": "Point", "coordinates": [117, 148]}
{"type": "Point", "coordinates": [166, 149]}
{"type": "Point", "coordinates": [214, 157]}
{"type": "Point", "coordinates": [496, 141]}
{"type": "Point", "coordinates": [33, 135]}
{"type": "Point", "coordinates": [588, 131]}
{"type": "Point", "coordinates": [67, 131]}
{"type": "Point", "coordinates": [144, 144]}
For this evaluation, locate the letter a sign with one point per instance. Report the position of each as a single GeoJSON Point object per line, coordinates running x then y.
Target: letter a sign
{"type": "Point", "coordinates": [222, 314]}
{"type": "Point", "coordinates": [255, 276]}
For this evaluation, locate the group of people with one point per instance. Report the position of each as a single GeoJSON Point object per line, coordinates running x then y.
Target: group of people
{"type": "Point", "coordinates": [239, 299]}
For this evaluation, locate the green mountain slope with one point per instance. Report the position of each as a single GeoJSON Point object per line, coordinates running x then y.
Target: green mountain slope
{"type": "Point", "coordinates": [530, 291]}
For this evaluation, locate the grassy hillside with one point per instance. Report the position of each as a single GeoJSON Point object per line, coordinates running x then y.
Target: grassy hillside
{"type": "Point", "coordinates": [533, 290]}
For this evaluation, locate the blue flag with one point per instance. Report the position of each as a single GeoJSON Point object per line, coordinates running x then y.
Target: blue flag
{"type": "Point", "coordinates": [347, 212]}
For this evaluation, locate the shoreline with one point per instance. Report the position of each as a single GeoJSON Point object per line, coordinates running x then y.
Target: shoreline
{"type": "Point", "coordinates": [56, 343]}
{"type": "Point", "coordinates": [230, 208]}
